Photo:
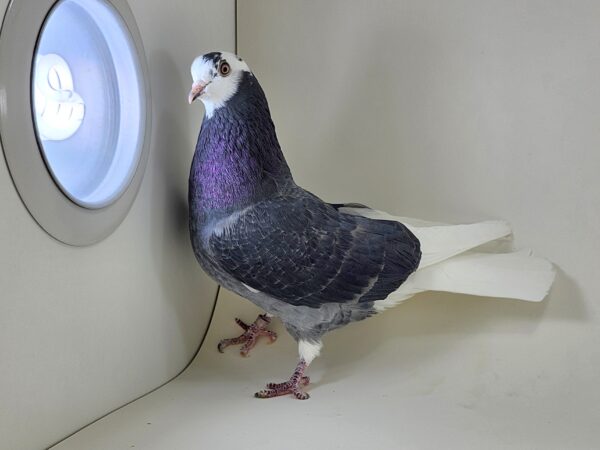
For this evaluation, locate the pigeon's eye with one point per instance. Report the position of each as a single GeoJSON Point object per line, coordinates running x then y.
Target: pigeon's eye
{"type": "Point", "coordinates": [224, 68]}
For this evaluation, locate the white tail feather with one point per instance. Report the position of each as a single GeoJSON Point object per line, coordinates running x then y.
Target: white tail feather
{"type": "Point", "coordinates": [438, 243]}
{"type": "Point", "coordinates": [507, 275]}
{"type": "Point", "coordinates": [448, 263]}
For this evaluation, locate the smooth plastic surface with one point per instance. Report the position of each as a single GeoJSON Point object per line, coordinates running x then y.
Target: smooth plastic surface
{"type": "Point", "coordinates": [48, 204]}
{"type": "Point", "coordinates": [88, 100]}
{"type": "Point", "coordinates": [363, 394]}
{"type": "Point", "coordinates": [458, 111]}
{"type": "Point", "coordinates": [84, 330]}
{"type": "Point", "coordinates": [414, 377]}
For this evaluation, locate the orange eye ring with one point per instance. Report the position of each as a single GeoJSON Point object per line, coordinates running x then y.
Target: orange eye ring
{"type": "Point", "coordinates": [224, 68]}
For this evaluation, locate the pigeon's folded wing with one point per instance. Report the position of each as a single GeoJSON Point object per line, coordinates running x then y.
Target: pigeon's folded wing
{"type": "Point", "coordinates": [297, 249]}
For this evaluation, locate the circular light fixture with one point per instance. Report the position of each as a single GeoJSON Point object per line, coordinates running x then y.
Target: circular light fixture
{"type": "Point", "coordinates": [87, 100]}
{"type": "Point", "coordinates": [75, 134]}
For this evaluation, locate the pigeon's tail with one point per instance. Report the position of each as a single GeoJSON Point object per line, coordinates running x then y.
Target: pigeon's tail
{"type": "Point", "coordinates": [460, 259]}
{"type": "Point", "coordinates": [517, 275]}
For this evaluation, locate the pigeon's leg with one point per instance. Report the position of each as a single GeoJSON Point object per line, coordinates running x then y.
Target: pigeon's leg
{"type": "Point", "coordinates": [308, 351]}
{"type": "Point", "coordinates": [250, 335]}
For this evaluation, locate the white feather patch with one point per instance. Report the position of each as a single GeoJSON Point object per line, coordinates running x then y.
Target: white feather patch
{"type": "Point", "coordinates": [222, 225]}
{"type": "Point", "coordinates": [219, 89]}
{"type": "Point", "coordinates": [404, 292]}
{"type": "Point", "coordinates": [517, 275]}
{"type": "Point", "coordinates": [309, 350]}
{"type": "Point", "coordinates": [251, 289]}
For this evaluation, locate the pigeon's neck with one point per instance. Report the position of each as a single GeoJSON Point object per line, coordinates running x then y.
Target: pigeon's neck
{"type": "Point", "coordinates": [238, 160]}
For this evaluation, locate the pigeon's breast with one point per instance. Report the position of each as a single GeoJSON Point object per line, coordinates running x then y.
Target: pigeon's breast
{"type": "Point", "coordinates": [206, 226]}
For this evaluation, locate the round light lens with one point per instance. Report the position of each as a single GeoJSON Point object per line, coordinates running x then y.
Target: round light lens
{"type": "Point", "coordinates": [88, 101]}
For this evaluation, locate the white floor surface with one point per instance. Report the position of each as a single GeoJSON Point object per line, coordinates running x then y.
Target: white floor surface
{"type": "Point", "coordinates": [426, 375]}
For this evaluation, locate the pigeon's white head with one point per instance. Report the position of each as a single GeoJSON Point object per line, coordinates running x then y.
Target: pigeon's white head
{"type": "Point", "coordinates": [216, 77]}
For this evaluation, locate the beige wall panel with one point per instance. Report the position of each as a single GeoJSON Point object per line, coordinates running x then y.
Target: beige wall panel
{"type": "Point", "coordinates": [84, 330]}
{"type": "Point", "coordinates": [457, 111]}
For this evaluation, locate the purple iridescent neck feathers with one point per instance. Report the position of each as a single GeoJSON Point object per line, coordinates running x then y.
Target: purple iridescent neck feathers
{"type": "Point", "coordinates": [238, 160]}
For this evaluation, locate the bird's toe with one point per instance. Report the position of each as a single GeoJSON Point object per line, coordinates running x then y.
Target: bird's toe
{"type": "Point", "coordinates": [250, 335]}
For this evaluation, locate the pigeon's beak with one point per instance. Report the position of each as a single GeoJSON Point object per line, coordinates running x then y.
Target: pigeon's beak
{"type": "Point", "coordinates": [197, 90]}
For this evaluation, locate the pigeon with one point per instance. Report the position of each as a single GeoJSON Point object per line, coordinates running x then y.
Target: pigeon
{"type": "Point", "coordinates": [318, 266]}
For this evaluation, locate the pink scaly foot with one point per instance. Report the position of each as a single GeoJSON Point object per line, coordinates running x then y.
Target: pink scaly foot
{"type": "Point", "coordinates": [292, 386]}
{"type": "Point", "coordinates": [251, 334]}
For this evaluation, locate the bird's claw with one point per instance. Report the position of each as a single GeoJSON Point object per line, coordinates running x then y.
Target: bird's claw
{"type": "Point", "coordinates": [287, 387]}
{"type": "Point", "coordinates": [292, 386]}
{"type": "Point", "coordinates": [286, 384]}
{"type": "Point", "coordinates": [250, 336]}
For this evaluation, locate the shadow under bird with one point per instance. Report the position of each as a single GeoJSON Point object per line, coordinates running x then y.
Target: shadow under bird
{"type": "Point", "coordinates": [315, 265]}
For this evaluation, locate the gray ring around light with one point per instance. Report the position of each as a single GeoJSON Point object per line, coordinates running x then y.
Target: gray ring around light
{"type": "Point", "coordinates": [45, 201]}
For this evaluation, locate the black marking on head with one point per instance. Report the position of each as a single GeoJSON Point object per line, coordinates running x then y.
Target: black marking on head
{"type": "Point", "coordinates": [239, 59]}
{"type": "Point", "coordinates": [215, 57]}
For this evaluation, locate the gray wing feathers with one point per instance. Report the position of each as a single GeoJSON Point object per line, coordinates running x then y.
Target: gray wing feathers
{"type": "Point", "coordinates": [300, 250]}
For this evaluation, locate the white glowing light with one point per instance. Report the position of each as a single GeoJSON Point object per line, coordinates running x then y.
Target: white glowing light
{"type": "Point", "coordinates": [59, 110]}
{"type": "Point", "coordinates": [88, 101]}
